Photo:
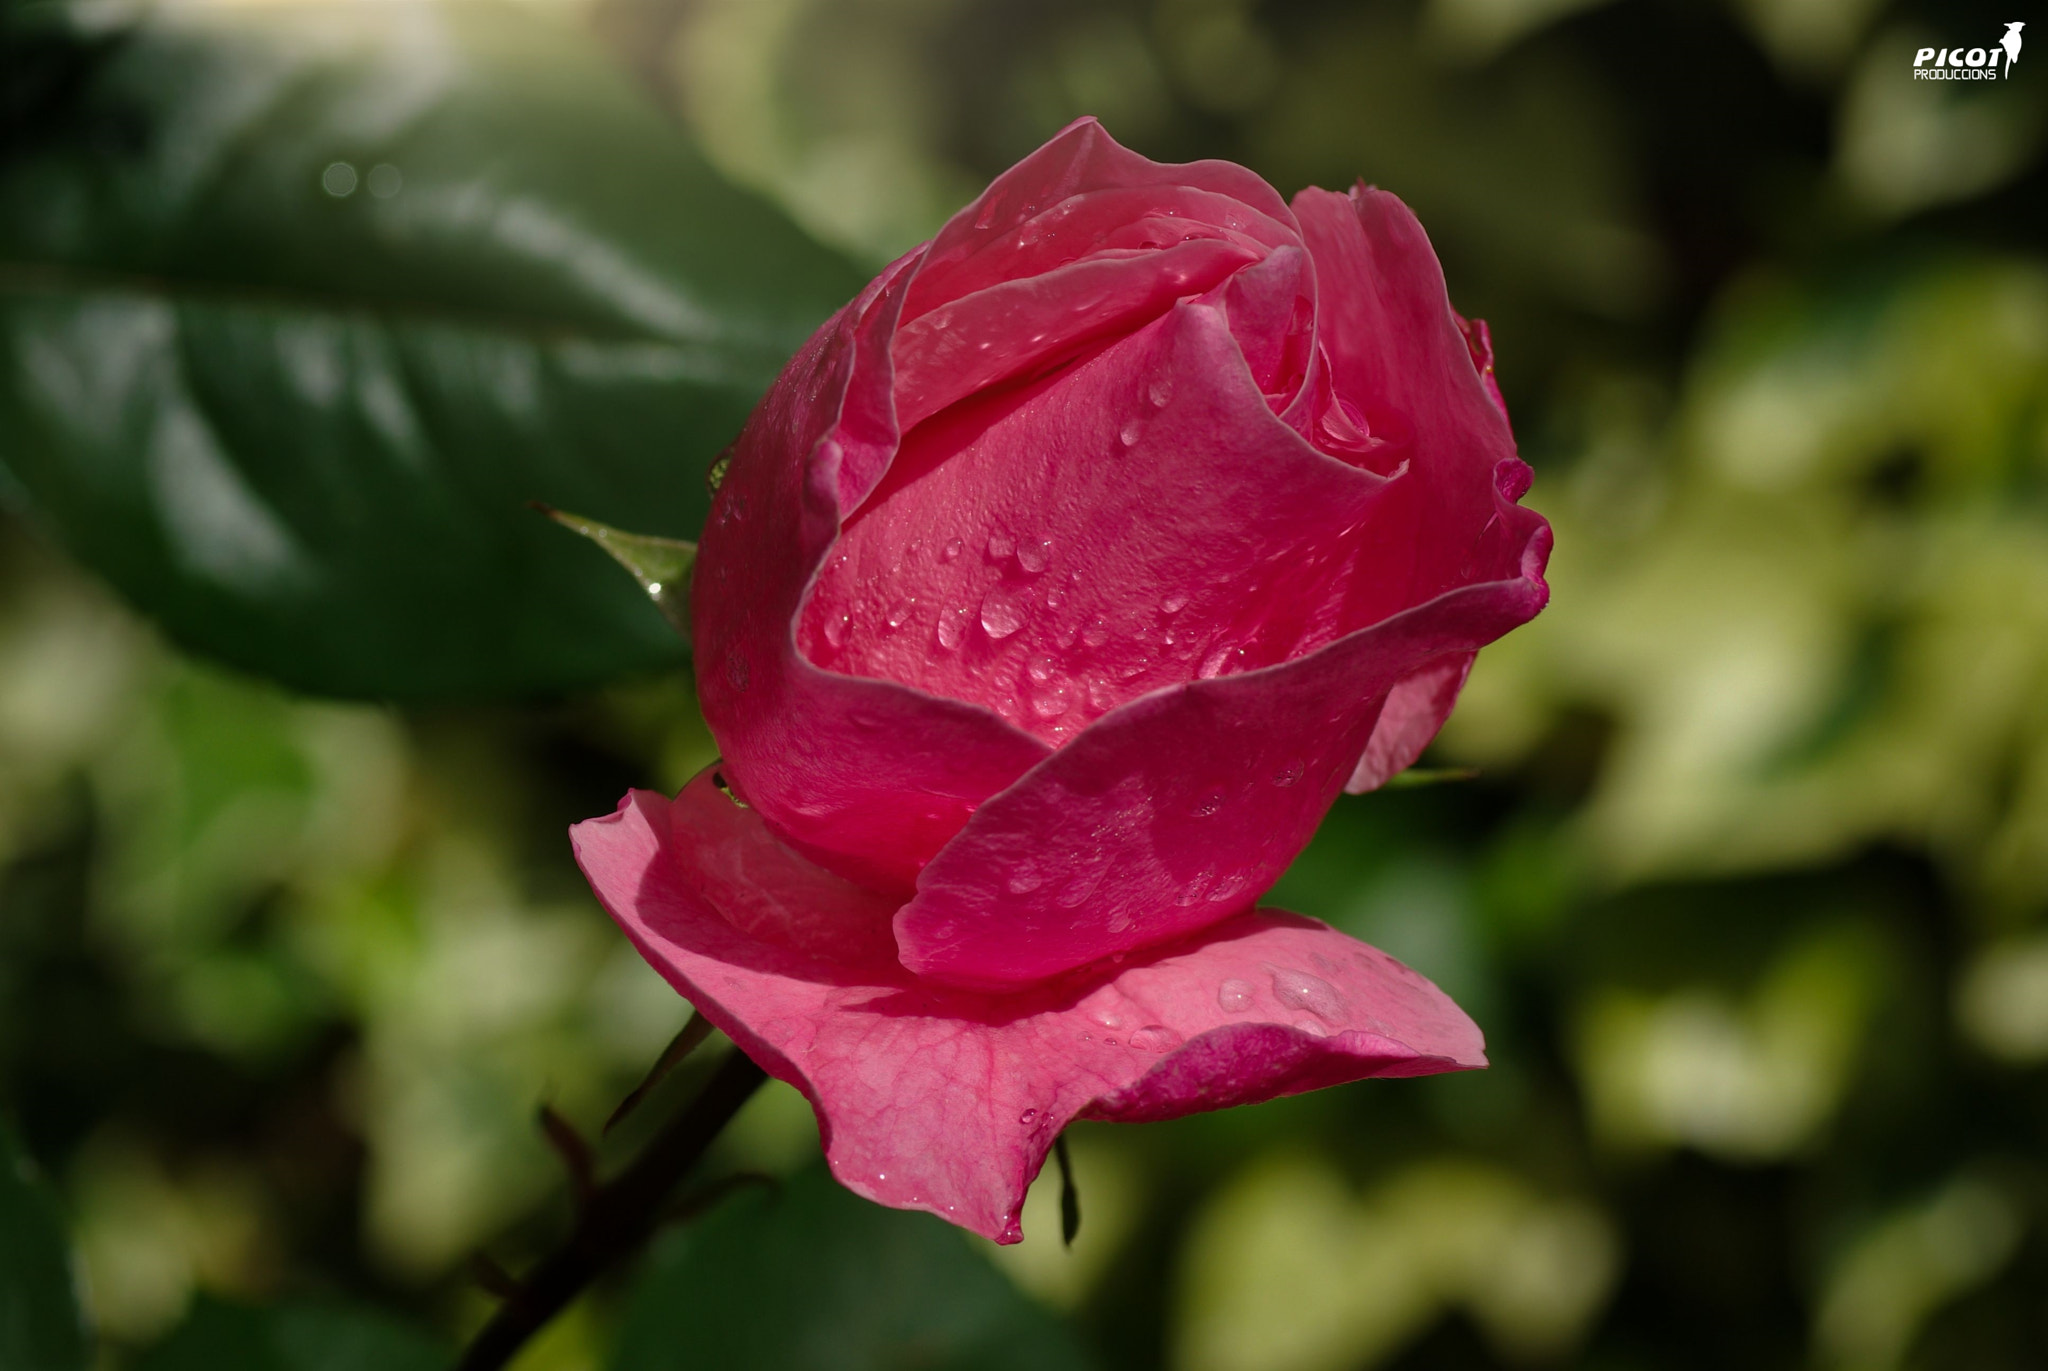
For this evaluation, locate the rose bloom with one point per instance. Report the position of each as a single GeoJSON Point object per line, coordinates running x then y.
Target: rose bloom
{"type": "Point", "coordinates": [1052, 595]}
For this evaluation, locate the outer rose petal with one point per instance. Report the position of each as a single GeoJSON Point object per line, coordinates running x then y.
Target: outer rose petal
{"type": "Point", "coordinates": [821, 754]}
{"type": "Point", "coordinates": [948, 1100]}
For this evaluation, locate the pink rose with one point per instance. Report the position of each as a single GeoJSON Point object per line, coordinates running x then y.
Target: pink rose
{"type": "Point", "coordinates": [1055, 590]}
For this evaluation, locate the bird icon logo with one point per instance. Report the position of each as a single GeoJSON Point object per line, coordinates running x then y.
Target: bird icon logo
{"type": "Point", "coordinates": [2011, 44]}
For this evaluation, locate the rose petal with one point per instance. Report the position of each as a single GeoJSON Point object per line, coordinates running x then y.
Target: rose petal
{"type": "Point", "coordinates": [1177, 809]}
{"type": "Point", "coordinates": [976, 248]}
{"type": "Point", "coordinates": [1139, 520]}
{"type": "Point", "coordinates": [821, 754]}
{"type": "Point", "coordinates": [947, 1100]}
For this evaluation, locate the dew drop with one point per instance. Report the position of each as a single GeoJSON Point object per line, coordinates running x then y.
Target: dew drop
{"type": "Point", "coordinates": [987, 215]}
{"type": "Point", "coordinates": [1101, 696]}
{"type": "Point", "coordinates": [899, 614]}
{"type": "Point", "coordinates": [1096, 633]}
{"type": "Point", "coordinates": [1300, 990]}
{"type": "Point", "coordinates": [1028, 1117]}
{"type": "Point", "coordinates": [1033, 553]}
{"type": "Point", "coordinates": [1066, 633]}
{"type": "Point", "coordinates": [1000, 546]}
{"type": "Point", "coordinates": [1208, 804]}
{"type": "Point", "coordinates": [1135, 667]}
{"type": "Point", "coordinates": [1076, 892]}
{"type": "Point", "coordinates": [1289, 774]}
{"type": "Point", "coordinates": [835, 630]}
{"type": "Point", "coordinates": [1168, 637]}
{"type": "Point", "coordinates": [950, 551]}
{"type": "Point", "coordinates": [1025, 879]}
{"type": "Point", "coordinates": [1191, 893]}
{"type": "Point", "coordinates": [1050, 704]}
{"type": "Point", "coordinates": [1312, 1028]}
{"type": "Point", "coordinates": [1109, 1042]}
{"type": "Point", "coordinates": [1159, 392]}
{"type": "Point", "coordinates": [1229, 886]}
{"type": "Point", "coordinates": [1235, 996]}
{"type": "Point", "coordinates": [1213, 664]}
{"type": "Point", "coordinates": [737, 671]}
{"type": "Point", "coordinates": [1153, 1038]}
{"type": "Point", "coordinates": [951, 624]}
{"type": "Point", "coordinates": [1173, 604]}
{"type": "Point", "coordinates": [1106, 1017]}
{"type": "Point", "coordinates": [1128, 434]}
{"type": "Point", "coordinates": [1042, 668]}
{"type": "Point", "coordinates": [999, 616]}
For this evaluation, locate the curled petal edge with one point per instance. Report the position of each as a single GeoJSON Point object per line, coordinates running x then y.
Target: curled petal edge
{"type": "Point", "coordinates": [947, 1100]}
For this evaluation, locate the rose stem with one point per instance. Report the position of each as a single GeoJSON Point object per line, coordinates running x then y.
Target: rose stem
{"type": "Point", "coordinates": [616, 1218]}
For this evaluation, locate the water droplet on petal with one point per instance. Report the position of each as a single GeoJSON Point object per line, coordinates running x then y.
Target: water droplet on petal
{"type": "Point", "coordinates": [1032, 554]}
{"type": "Point", "coordinates": [1096, 633]}
{"type": "Point", "coordinates": [1128, 434]}
{"type": "Point", "coordinates": [1212, 665]}
{"type": "Point", "coordinates": [1229, 887]}
{"type": "Point", "coordinates": [1312, 1028]}
{"type": "Point", "coordinates": [1154, 1038]}
{"type": "Point", "coordinates": [951, 550]}
{"type": "Point", "coordinates": [1288, 774]}
{"type": "Point", "coordinates": [1135, 667]}
{"type": "Point", "coordinates": [835, 629]}
{"type": "Point", "coordinates": [899, 614]}
{"type": "Point", "coordinates": [1076, 891]}
{"type": "Point", "coordinates": [1101, 696]}
{"type": "Point", "coordinates": [952, 622]}
{"type": "Point", "coordinates": [1025, 879]}
{"type": "Point", "coordinates": [1173, 604]}
{"type": "Point", "coordinates": [1050, 703]}
{"type": "Point", "coordinates": [987, 214]}
{"type": "Point", "coordinates": [1235, 996]}
{"type": "Point", "coordinates": [1300, 990]}
{"type": "Point", "coordinates": [1065, 635]}
{"type": "Point", "coordinates": [1028, 1117]}
{"type": "Point", "coordinates": [1209, 803]}
{"type": "Point", "coordinates": [999, 615]}
{"type": "Point", "coordinates": [1159, 392]}
{"type": "Point", "coordinates": [1042, 668]}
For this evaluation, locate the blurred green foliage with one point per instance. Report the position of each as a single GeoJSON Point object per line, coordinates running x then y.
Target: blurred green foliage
{"type": "Point", "coordinates": [1750, 896]}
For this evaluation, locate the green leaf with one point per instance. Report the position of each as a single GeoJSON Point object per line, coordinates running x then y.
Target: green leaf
{"type": "Point", "coordinates": [661, 565]}
{"type": "Point", "coordinates": [301, 306]}
{"type": "Point", "coordinates": [1416, 776]}
{"type": "Point", "coordinates": [812, 1278]}
{"type": "Point", "coordinates": [297, 1336]}
{"type": "Point", "coordinates": [40, 1326]}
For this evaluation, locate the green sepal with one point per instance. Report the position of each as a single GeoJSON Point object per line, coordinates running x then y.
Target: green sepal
{"type": "Point", "coordinates": [661, 565]}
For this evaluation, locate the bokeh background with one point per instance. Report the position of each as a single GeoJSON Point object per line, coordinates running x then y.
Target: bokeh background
{"type": "Point", "coordinates": [1750, 890]}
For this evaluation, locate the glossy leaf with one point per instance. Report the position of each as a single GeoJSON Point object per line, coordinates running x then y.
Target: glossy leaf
{"type": "Point", "coordinates": [297, 1336]}
{"type": "Point", "coordinates": [810, 1277]}
{"type": "Point", "coordinates": [40, 1327]}
{"type": "Point", "coordinates": [301, 306]}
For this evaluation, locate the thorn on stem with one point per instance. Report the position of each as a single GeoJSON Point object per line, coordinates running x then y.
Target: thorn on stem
{"type": "Point", "coordinates": [575, 1153]}
{"type": "Point", "coordinates": [1070, 1196]}
{"type": "Point", "coordinates": [693, 1033]}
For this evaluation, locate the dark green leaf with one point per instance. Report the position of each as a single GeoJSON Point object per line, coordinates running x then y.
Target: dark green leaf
{"type": "Point", "coordinates": [301, 306]}
{"type": "Point", "coordinates": [40, 1328]}
{"type": "Point", "coordinates": [299, 1336]}
{"type": "Point", "coordinates": [811, 1278]}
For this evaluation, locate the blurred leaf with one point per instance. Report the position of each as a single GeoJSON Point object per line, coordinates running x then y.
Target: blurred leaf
{"type": "Point", "coordinates": [300, 1336]}
{"type": "Point", "coordinates": [301, 306]}
{"type": "Point", "coordinates": [813, 1277]}
{"type": "Point", "coordinates": [40, 1326]}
